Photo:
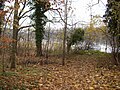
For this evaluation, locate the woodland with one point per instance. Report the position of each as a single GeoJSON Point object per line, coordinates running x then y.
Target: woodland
{"type": "Point", "coordinates": [36, 56]}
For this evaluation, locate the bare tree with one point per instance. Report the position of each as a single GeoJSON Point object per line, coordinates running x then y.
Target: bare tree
{"type": "Point", "coordinates": [16, 27]}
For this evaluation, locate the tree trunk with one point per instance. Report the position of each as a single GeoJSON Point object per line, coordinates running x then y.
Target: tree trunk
{"type": "Point", "coordinates": [39, 48]}
{"type": "Point", "coordinates": [39, 30]}
{"type": "Point", "coordinates": [14, 49]}
{"type": "Point", "coordinates": [47, 51]}
{"type": "Point", "coordinates": [2, 50]}
{"type": "Point", "coordinates": [0, 32]}
{"type": "Point", "coordinates": [106, 47]}
{"type": "Point", "coordinates": [65, 30]}
{"type": "Point", "coordinates": [119, 36]}
{"type": "Point", "coordinates": [38, 37]}
{"type": "Point", "coordinates": [28, 41]}
{"type": "Point", "coordinates": [15, 35]}
{"type": "Point", "coordinates": [68, 48]}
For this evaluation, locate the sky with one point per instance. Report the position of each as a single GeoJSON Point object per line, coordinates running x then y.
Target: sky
{"type": "Point", "coordinates": [81, 11]}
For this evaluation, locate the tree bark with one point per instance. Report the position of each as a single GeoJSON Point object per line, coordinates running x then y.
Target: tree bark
{"type": "Point", "coordinates": [65, 30]}
{"type": "Point", "coordinates": [47, 48]}
{"type": "Point", "coordinates": [38, 34]}
{"type": "Point", "coordinates": [68, 47]}
{"type": "Point", "coordinates": [39, 49]}
{"type": "Point", "coordinates": [15, 34]}
{"type": "Point", "coordinates": [0, 32]}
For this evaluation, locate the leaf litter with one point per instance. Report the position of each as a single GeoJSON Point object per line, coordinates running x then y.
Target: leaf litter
{"type": "Point", "coordinates": [81, 72]}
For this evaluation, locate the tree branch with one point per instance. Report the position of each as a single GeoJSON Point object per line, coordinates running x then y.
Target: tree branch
{"type": "Point", "coordinates": [59, 14]}
{"type": "Point", "coordinates": [103, 3]}
{"type": "Point", "coordinates": [24, 4]}
{"type": "Point", "coordinates": [25, 13]}
{"type": "Point", "coordinates": [96, 3]}
{"type": "Point", "coordinates": [25, 27]}
{"type": "Point", "coordinates": [23, 21]}
{"type": "Point", "coordinates": [25, 16]}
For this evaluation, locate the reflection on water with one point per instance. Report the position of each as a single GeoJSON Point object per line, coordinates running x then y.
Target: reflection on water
{"type": "Point", "coordinates": [102, 48]}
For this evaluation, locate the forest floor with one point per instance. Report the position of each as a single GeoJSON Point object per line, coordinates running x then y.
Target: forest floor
{"type": "Point", "coordinates": [81, 72]}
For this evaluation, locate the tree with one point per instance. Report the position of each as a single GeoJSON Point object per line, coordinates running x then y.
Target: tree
{"type": "Point", "coordinates": [40, 20]}
{"type": "Point", "coordinates": [4, 40]}
{"type": "Point", "coordinates": [65, 31]}
{"type": "Point", "coordinates": [15, 34]}
{"type": "Point", "coordinates": [112, 20]}
{"type": "Point", "coordinates": [18, 15]}
{"type": "Point", "coordinates": [93, 32]}
{"type": "Point", "coordinates": [67, 7]}
{"type": "Point", "coordinates": [1, 38]}
{"type": "Point", "coordinates": [1, 18]}
{"type": "Point", "coordinates": [75, 37]}
{"type": "Point", "coordinates": [90, 36]}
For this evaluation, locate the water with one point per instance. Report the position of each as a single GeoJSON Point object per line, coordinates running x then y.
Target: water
{"type": "Point", "coordinates": [102, 48]}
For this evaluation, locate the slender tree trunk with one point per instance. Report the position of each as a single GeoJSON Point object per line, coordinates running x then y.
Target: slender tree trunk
{"type": "Point", "coordinates": [28, 41]}
{"type": "Point", "coordinates": [47, 51]}
{"type": "Point", "coordinates": [114, 51]}
{"type": "Point", "coordinates": [118, 55]}
{"type": "Point", "coordinates": [15, 34]}
{"type": "Point", "coordinates": [0, 32]}
{"type": "Point", "coordinates": [106, 46]}
{"type": "Point", "coordinates": [0, 26]}
{"type": "Point", "coordinates": [68, 47]}
{"type": "Point", "coordinates": [65, 30]}
{"type": "Point", "coordinates": [2, 50]}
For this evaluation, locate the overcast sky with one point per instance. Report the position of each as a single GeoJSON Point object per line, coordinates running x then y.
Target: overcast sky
{"type": "Point", "coordinates": [82, 10]}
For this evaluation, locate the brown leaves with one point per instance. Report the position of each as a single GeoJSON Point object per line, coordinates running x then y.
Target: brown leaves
{"type": "Point", "coordinates": [6, 40]}
{"type": "Point", "coordinates": [2, 13]}
{"type": "Point", "coordinates": [80, 73]}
